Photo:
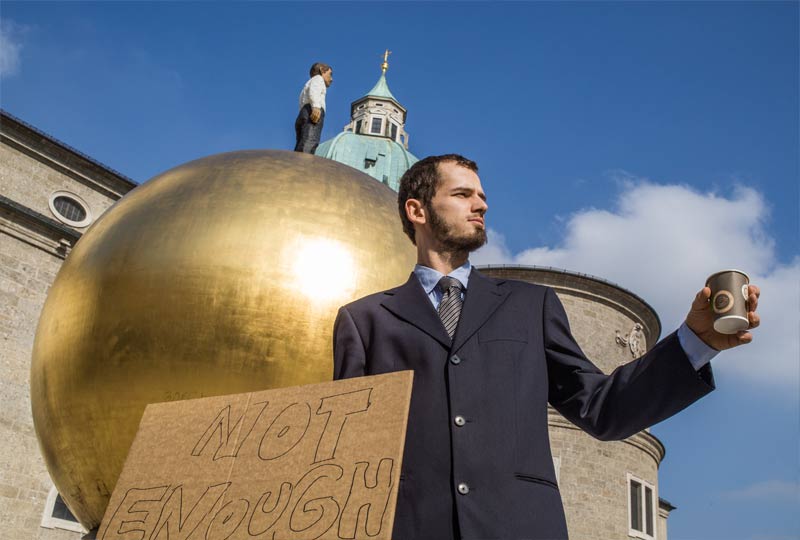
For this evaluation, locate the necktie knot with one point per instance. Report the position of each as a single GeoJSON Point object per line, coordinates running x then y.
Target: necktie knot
{"type": "Point", "coordinates": [447, 283]}
{"type": "Point", "coordinates": [450, 306]}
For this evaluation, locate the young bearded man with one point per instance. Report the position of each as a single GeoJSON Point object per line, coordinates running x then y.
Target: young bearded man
{"type": "Point", "coordinates": [487, 356]}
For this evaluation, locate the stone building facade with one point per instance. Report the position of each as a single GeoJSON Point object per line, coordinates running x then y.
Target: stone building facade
{"type": "Point", "coordinates": [49, 194]}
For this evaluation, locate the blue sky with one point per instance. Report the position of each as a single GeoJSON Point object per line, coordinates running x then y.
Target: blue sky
{"type": "Point", "coordinates": [647, 143]}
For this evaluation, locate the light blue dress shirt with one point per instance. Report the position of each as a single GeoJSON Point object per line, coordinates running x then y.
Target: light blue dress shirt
{"type": "Point", "coordinates": [696, 350]}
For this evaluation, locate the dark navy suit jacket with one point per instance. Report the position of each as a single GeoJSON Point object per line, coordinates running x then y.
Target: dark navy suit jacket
{"type": "Point", "coordinates": [512, 353]}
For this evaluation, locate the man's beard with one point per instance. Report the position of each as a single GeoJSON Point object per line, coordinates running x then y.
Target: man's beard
{"type": "Point", "coordinates": [449, 241]}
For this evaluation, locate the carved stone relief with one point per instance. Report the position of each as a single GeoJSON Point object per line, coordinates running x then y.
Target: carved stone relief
{"type": "Point", "coordinates": [634, 340]}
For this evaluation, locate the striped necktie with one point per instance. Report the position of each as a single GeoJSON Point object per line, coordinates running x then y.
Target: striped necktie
{"type": "Point", "coordinates": [450, 306]}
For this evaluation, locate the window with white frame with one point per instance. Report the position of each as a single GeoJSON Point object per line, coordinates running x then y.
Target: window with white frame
{"type": "Point", "coordinates": [70, 209]}
{"type": "Point", "coordinates": [377, 124]}
{"type": "Point", "coordinates": [56, 515]}
{"type": "Point", "coordinates": [641, 508]}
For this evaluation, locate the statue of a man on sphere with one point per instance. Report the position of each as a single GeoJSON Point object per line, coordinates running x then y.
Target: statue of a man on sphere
{"type": "Point", "coordinates": [308, 126]}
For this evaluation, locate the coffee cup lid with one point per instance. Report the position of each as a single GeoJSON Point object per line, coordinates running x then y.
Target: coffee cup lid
{"type": "Point", "coordinates": [726, 271]}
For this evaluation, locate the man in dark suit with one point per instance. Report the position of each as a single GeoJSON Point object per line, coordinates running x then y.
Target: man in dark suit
{"type": "Point", "coordinates": [487, 357]}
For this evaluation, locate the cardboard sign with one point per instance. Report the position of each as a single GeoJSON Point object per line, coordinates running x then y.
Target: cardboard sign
{"type": "Point", "coordinates": [318, 461]}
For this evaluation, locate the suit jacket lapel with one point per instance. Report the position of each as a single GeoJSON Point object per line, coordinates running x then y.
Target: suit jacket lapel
{"type": "Point", "coordinates": [482, 299]}
{"type": "Point", "coordinates": [410, 303]}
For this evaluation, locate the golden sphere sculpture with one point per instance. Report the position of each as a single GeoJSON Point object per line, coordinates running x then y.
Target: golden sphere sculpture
{"type": "Point", "coordinates": [223, 275]}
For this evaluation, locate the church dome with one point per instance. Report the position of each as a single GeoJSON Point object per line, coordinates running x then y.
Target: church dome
{"type": "Point", "coordinates": [380, 157]}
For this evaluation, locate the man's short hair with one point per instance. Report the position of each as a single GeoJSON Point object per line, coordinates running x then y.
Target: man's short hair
{"type": "Point", "coordinates": [421, 182]}
{"type": "Point", "coordinates": [318, 68]}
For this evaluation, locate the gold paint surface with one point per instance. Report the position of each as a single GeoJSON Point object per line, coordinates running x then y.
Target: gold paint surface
{"type": "Point", "coordinates": [221, 276]}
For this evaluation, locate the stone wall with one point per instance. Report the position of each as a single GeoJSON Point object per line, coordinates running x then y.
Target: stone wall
{"type": "Point", "coordinates": [593, 478]}
{"type": "Point", "coordinates": [33, 245]}
{"type": "Point", "coordinates": [26, 274]}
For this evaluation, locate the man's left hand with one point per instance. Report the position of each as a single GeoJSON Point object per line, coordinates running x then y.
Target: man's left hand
{"type": "Point", "coordinates": [700, 320]}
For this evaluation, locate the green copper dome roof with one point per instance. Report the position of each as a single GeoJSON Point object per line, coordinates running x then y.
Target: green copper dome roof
{"type": "Point", "coordinates": [381, 89]}
{"type": "Point", "coordinates": [380, 157]}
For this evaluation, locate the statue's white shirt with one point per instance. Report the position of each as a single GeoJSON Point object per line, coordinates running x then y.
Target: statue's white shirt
{"type": "Point", "coordinates": [313, 93]}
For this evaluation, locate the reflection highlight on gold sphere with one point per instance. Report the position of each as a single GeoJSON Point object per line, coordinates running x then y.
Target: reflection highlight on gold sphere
{"type": "Point", "coordinates": [338, 280]}
{"type": "Point", "coordinates": [220, 276]}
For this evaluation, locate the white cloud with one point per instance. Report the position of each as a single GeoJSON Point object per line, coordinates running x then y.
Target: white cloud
{"type": "Point", "coordinates": [10, 47]}
{"type": "Point", "coordinates": [662, 241]}
{"type": "Point", "coordinates": [770, 490]}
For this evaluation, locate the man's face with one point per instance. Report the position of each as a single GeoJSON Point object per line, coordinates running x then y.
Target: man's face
{"type": "Point", "coordinates": [327, 76]}
{"type": "Point", "coordinates": [456, 211]}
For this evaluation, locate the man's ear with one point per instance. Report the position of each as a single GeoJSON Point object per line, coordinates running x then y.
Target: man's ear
{"type": "Point", "coordinates": [415, 212]}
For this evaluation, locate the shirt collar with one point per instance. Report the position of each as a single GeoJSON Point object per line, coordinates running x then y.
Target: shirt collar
{"type": "Point", "coordinates": [428, 277]}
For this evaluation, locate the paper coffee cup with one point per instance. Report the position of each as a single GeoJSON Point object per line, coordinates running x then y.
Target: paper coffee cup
{"type": "Point", "coordinates": [729, 300]}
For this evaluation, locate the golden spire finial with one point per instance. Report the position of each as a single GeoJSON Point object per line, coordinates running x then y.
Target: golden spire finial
{"type": "Point", "coordinates": [385, 64]}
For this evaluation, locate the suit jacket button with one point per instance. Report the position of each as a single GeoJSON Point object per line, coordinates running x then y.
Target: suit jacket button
{"type": "Point", "coordinates": [463, 488]}
{"type": "Point", "coordinates": [455, 360]}
{"type": "Point", "coordinates": [459, 421]}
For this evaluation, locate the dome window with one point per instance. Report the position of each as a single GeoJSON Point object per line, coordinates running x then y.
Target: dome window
{"type": "Point", "coordinates": [377, 124]}
{"type": "Point", "coordinates": [394, 131]}
{"type": "Point", "coordinates": [70, 209]}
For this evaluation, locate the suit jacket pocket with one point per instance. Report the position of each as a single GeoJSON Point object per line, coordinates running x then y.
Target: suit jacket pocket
{"type": "Point", "coordinates": [535, 480]}
{"type": "Point", "coordinates": [507, 334]}
{"type": "Point", "coordinates": [504, 327]}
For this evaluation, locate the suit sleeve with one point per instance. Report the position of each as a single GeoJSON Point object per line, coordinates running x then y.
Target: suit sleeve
{"type": "Point", "coordinates": [633, 397]}
{"type": "Point", "coordinates": [349, 356]}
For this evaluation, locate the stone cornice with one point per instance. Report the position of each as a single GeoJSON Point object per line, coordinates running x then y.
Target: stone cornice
{"type": "Point", "coordinates": [644, 440]}
{"type": "Point", "coordinates": [36, 229]}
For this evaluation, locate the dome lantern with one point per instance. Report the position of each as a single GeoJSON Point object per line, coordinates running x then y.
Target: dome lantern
{"type": "Point", "coordinates": [378, 113]}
